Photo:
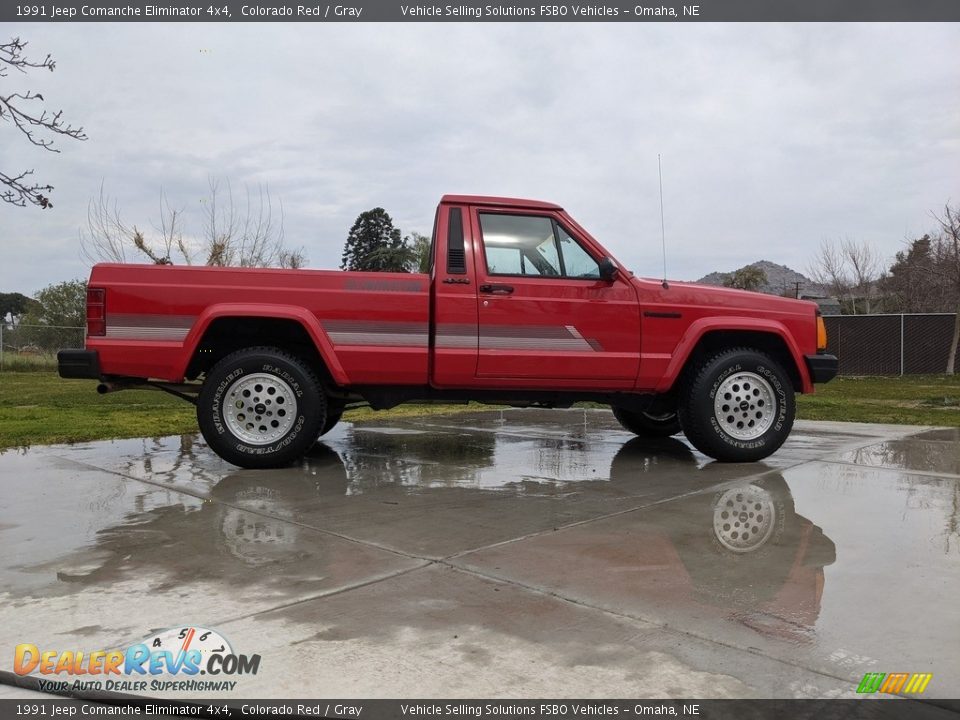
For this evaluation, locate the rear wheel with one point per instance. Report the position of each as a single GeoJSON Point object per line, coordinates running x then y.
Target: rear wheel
{"type": "Point", "coordinates": [738, 406]}
{"type": "Point", "coordinates": [645, 424]}
{"type": "Point", "coordinates": [260, 408]}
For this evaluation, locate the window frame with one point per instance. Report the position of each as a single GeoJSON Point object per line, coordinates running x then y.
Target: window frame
{"type": "Point", "coordinates": [554, 224]}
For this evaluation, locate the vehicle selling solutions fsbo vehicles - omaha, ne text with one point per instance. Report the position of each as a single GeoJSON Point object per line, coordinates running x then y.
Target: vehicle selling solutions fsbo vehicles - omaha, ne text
{"type": "Point", "coordinates": [521, 306]}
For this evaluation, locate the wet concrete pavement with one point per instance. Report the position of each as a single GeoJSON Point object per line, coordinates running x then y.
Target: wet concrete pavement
{"type": "Point", "coordinates": [514, 553]}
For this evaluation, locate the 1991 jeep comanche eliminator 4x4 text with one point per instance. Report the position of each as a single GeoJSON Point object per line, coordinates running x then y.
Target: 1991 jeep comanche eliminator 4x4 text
{"type": "Point", "coordinates": [521, 307]}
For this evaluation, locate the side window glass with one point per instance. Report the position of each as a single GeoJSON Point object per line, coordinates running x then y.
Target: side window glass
{"type": "Point", "coordinates": [547, 250]}
{"type": "Point", "coordinates": [519, 245]}
{"type": "Point", "coordinates": [576, 261]}
{"type": "Point", "coordinates": [508, 261]}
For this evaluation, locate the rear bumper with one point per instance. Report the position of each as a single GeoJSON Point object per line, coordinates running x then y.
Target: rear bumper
{"type": "Point", "coordinates": [823, 368]}
{"type": "Point", "coordinates": [83, 364]}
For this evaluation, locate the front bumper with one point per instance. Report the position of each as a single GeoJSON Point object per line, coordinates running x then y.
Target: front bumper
{"type": "Point", "coordinates": [823, 368]}
{"type": "Point", "coordinates": [83, 364]}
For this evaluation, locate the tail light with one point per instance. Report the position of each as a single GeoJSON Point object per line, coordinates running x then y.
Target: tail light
{"type": "Point", "coordinates": [821, 333]}
{"type": "Point", "coordinates": [96, 312]}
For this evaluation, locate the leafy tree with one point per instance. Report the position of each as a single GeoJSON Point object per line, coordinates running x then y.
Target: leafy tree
{"type": "Point", "coordinates": [421, 250]}
{"type": "Point", "coordinates": [910, 283]}
{"type": "Point", "coordinates": [926, 277]}
{"type": "Point", "coordinates": [374, 244]}
{"type": "Point", "coordinates": [39, 126]}
{"type": "Point", "coordinates": [62, 304]}
{"type": "Point", "coordinates": [746, 278]}
{"type": "Point", "coordinates": [13, 305]}
{"type": "Point", "coordinates": [58, 306]}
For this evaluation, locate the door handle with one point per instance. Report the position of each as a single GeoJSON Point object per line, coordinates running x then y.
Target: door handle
{"type": "Point", "coordinates": [496, 289]}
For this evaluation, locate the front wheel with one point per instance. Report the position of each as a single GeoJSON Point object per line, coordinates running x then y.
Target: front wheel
{"type": "Point", "coordinates": [334, 413]}
{"type": "Point", "coordinates": [738, 406]}
{"type": "Point", "coordinates": [261, 408]}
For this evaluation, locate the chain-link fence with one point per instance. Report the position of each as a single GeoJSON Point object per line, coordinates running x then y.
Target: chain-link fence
{"type": "Point", "coordinates": [34, 347]}
{"type": "Point", "coordinates": [890, 344]}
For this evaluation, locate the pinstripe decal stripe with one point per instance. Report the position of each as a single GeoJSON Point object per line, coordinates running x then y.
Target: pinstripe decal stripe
{"type": "Point", "coordinates": [516, 337]}
{"type": "Point", "coordinates": [174, 328]}
{"type": "Point", "coordinates": [167, 328]}
{"type": "Point", "coordinates": [377, 332]}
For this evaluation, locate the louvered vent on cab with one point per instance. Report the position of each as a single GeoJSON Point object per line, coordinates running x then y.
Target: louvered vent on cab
{"type": "Point", "coordinates": [456, 257]}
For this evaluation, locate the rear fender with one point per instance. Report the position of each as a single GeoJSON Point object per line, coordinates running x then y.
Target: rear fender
{"type": "Point", "coordinates": [305, 318]}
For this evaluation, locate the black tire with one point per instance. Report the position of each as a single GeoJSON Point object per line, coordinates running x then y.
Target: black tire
{"type": "Point", "coordinates": [273, 437]}
{"type": "Point", "coordinates": [746, 428]}
{"type": "Point", "coordinates": [334, 413]}
{"type": "Point", "coordinates": [647, 425]}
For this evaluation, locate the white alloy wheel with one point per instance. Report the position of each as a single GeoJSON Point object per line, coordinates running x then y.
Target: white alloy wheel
{"type": "Point", "coordinates": [259, 409]}
{"type": "Point", "coordinates": [744, 518]}
{"type": "Point", "coordinates": [745, 405]}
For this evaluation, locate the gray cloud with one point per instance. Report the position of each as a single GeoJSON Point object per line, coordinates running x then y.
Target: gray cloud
{"type": "Point", "coordinates": [773, 136]}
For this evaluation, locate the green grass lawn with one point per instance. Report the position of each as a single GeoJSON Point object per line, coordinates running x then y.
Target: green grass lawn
{"type": "Point", "coordinates": [910, 400]}
{"type": "Point", "coordinates": [39, 407]}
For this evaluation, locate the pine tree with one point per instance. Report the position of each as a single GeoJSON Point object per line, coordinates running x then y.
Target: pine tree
{"type": "Point", "coordinates": [374, 244]}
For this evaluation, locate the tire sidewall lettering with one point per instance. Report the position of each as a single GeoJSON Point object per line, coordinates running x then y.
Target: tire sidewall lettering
{"type": "Point", "coordinates": [723, 376]}
{"type": "Point", "coordinates": [217, 402]}
{"type": "Point", "coordinates": [285, 376]}
{"type": "Point", "coordinates": [781, 395]}
{"type": "Point", "coordinates": [275, 447]}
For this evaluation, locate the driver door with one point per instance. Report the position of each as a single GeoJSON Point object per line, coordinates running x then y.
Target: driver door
{"type": "Point", "coordinates": [546, 318]}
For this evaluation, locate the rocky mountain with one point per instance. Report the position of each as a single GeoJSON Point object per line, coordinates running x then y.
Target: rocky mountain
{"type": "Point", "coordinates": [780, 280]}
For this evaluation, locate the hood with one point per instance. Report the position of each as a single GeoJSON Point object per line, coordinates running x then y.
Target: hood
{"type": "Point", "coordinates": [692, 293]}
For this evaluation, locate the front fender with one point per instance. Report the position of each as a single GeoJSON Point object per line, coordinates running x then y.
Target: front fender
{"type": "Point", "coordinates": [699, 328]}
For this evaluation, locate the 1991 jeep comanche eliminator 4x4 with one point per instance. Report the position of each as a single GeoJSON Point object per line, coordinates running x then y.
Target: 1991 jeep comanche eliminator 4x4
{"type": "Point", "coordinates": [521, 307]}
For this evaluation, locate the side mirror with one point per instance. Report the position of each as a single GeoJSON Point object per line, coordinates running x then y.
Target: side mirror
{"type": "Point", "coordinates": [608, 269]}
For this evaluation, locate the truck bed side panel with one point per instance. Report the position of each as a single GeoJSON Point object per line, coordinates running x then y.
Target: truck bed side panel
{"type": "Point", "coordinates": [377, 324]}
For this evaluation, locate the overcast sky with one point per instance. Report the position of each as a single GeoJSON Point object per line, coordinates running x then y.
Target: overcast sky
{"type": "Point", "coordinates": [774, 137]}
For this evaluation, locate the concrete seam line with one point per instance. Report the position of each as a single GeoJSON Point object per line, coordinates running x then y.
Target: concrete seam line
{"type": "Point", "coordinates": [943, 475]}
{"type": "Point", "coordinates": [333, 593]}
{"type": "Point", "coordinates": [639, 618]}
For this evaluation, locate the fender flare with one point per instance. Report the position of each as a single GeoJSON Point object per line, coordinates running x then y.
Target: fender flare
{"type": "Point", "coordinates": [697, 329]}
{"type": "Point", "coordinates": [300, 315]}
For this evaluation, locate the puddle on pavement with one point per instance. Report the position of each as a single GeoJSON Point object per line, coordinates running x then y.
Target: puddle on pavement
{"type": "Point", "coordinates": [751, 553]}
{"type": "Point", "coordinates": [920, 453]}
{"type": "Point", "coordinates": [943, 434]}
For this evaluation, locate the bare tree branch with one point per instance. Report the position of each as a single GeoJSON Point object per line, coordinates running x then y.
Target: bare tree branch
{"type": "Point", "coordinates": [250, 235]}
{"type": "Point", "coordinates": [849, 270]}
{"type": "Point", "coordinates": [21, 193]}
{"type": "Point", "coordinates": [39, 126]}
{"type": "Point", "coordinates": [948, 252]}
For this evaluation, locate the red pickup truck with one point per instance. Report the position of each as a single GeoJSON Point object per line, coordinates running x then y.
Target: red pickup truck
{"type": "Point", "coordinates": [522, 306]}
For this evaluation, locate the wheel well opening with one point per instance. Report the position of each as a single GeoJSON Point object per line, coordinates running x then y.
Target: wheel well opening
{"type": "Point", "coordinates": [769, 343]}
{"type": "Point", "coordinates": [229, 334]}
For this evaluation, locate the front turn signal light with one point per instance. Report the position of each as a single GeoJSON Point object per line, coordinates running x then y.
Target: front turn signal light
{"type": "Point", "coordinates": [821, 333]}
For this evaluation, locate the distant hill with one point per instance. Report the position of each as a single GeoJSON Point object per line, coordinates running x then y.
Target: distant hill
{"type": "Point", "coordinates": [780, 280]}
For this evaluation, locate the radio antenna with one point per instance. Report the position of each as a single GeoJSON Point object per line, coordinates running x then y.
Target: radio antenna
{"type": "Point", "coordinates": [663, 233]}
